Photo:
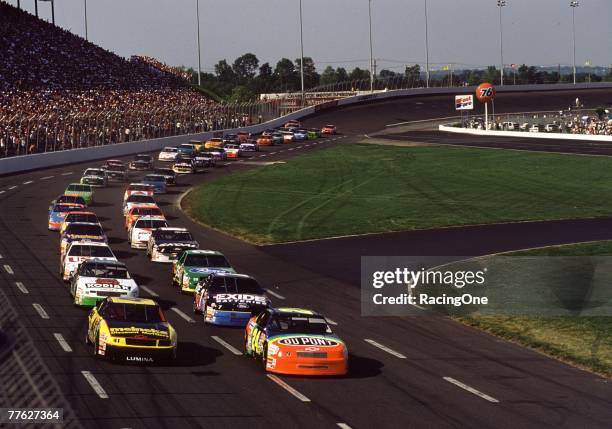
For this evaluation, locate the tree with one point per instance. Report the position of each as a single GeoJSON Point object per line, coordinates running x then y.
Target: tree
{"type": "Point", "coordinates": [224, 72]}
{"type": "Point", "coordinates": [286, 75]}
{"type": "Point", "coordinates": [413, 73]}
{"type": "Point", "coordinates": [245, 66]}
{"type": "Point", "coordinates": [342, 74]}
{"type": "Point", "coordinates": [329, 76]}
{"type": "Point", "coordinates": [311, 77]}
{"type": "Point", "coordinates": [386, 74]}
{"type": "Point", "coordinates": [241, 94]}
{"type": "Point", "coordinates": [359, 74]}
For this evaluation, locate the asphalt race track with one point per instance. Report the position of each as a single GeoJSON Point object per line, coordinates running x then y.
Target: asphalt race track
{"type": "Point", "coordinates": [420, 371]}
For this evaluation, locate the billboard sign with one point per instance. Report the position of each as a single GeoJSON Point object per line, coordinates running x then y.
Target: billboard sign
{"type": "Point", "coordinates": [464, 102]}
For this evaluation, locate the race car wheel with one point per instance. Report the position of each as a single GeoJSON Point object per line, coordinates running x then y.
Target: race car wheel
{"type": "Point", "coordinates": [96, 345]}
{"type": "Point", "coordinates": [264, 357]}
{"type": "Point", "coordinates": [195, 308]}
{"type": "Point", "coordinates": [87, 341]}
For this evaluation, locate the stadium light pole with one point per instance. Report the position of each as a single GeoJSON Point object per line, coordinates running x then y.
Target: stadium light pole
{"type": "Point", "coordinates": [500, 5]}
{"type": "Point", "coordinates": [574, 4]}
{"type": "Point", "coordinates": [371, 49]}
{"type": "Point", "coordinates": [302, 54]}
{"type": "Point", "coordinates": [426, 47]}
{"type": "Point", "coordinates": [86, 35]}
{"type": "Point", "coordinates": [199, 50]}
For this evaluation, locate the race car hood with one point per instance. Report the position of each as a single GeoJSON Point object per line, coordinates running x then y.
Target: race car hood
{"type": "Point", "coordinates": [75, 237]}
{"type": "Point", "coordinates": [141, 330]}
{"type": "Point", "coordinates": [248, 300]}
{"type": "Point", "coordinates": [306, 340]}
{"type": "Point", "coordinates": [103, 284]}
{"type": "Point", "coordinates": [183, 244]}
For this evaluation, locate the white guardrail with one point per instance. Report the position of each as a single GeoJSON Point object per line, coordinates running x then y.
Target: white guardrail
{"type": "Point", "coordinates": [37, 161]}
{"type": "Point", "coordinates": [524, 134]}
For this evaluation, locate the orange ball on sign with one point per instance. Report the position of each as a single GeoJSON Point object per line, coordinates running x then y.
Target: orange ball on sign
{"type": "Point", "coordinates": [485, 92]}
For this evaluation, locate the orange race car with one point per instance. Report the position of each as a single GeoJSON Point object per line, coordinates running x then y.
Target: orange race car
{"type": "Point", "coordinates": [264, 141]}
{"type": "Point", "coordinates": [328, 129]}
{"type": "Point", "coordinates": [295, 341]}
{"type": "Point", "coordinates": [138, 211]}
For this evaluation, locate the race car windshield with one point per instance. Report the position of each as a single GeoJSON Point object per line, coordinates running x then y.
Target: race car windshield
{"type": "Point", "coordinates": [174, 236]}
{"type": "Point", "coordinates": [94, 173]}
{"type": "Point", "coordinates": [150, 223]}
{"type": "Point", "coordinates": [207, 261]}
{"type": "Point", "coordinates": [300, 325]}
{"type": "Point", "coordinates": [79, 188]}
{"type": "Point", "coordinates": [142, 158]}
{"type": "Point", "coordinates": [155, 178]}
{"type": "Point", "coordinates": [84, 229]}
{"type": "Point", "coordinates": [61, 208]}
{"type": "Point", "coordinates": [140, 188]}
{"type": "Point", "coordinates": [134, 313]}
{"type": "Point", "coordinates": [236, 285]}
{"type": "Point", "coordinates": [165, 172]}
{"type": "Point", "coordinates": [108, 271]}
{"type": "Point", "coordinates": [147, 212]}
{"type": "Point", "coordinates": [70, 199]}
{"type": "Point", "coordinates": [86, 218]}
{"type": "Point", "coordinates": [140, 199]}
{"type": "Point", "coordinates": [114, 167]}
{"type": "Point", "coordinates": [90, 251]}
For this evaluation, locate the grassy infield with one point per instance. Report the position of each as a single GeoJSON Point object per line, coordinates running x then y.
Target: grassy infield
{"type": "Point", "coordinates": [366, 189]}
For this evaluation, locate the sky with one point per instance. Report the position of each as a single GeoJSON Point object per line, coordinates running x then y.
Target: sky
{"type": "Point", "coordinates": [461, 32]}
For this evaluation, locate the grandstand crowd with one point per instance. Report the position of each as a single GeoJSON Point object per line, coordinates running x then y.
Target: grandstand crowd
{"type": "Point", "coordinates": [58, 91]}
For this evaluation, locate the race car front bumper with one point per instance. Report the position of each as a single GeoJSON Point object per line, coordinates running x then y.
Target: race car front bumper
{"type": "Point", "coordinates": [164, 258]}
{"type": "Point", "coordinates": [138, 355]}
{"type": "Point", "coordinates": [227, 318]}
{"type": "Point", "coordinates": [306, 366]}
{"type": "Point", "coordinates": [54, 226]}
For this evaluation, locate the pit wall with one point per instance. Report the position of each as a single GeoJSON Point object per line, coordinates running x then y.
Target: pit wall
{"type": "Point", "coordinates": [38, 161]}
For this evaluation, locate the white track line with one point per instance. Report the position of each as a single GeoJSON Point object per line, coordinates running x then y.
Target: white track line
{"type": "Point", "coordinates": [67, 174]}
{"type": "Point", "coordinates": [95, 385]}
{"type": "Point", "coordinates": [47, 177]}
{"type": "Point", "coordinates": [470, 389]}
{"type": "Point", "coordinates": [12, 187]}
{"type": "Point", "coordinates": [2, 192]}
{"type": "Point", "coordinates": [9, 269]}
{"type": "Point", "coordinates": [41, 311]}
{"type": "Point", "coordinates": [288, 388]}
{"type": "Point", "coordinates": [183, 315]}
{"type": "Point", "coordinates": [62, 342]}
{"type": "Point", "coordinates": [227, 345]}
{"type": "Point", "coordinates": [28, 182]}
{"type": "Point", "coordinates": [331, 322]}
{"type": "Point", "coordinates": [149, 291]}
{"type": "Point", "coordinates": [272, 153]}
{"type": "Point", "coordinates": [291, 148]}
{"type": "Point", "coordinates": [343, 426]}
{"type": "Point", "coordinates": [274, 294]}
{"type": "Point", "coordinates": [22, 288]}
{"type": "Point", "coordinates": [1, 256]}
{"type": "Point", "coordinates": [385, 348]}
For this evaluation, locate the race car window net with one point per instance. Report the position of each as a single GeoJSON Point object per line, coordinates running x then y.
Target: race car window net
{"type": "Point", "coordinates": [90, 251]}
{"type": "Point", "coordinates": [86, 218]}
{"type": "Point", "coordinates": [173, 236]}
{"type": "Point", "coordinates": [148, 223]}
{"type": "Point", "coordinates": [207, 261]}
{"type": "Point", "coordinates": [104, 271]}
{"type": "Point", "coordinates": [140, 199]}
{"type": "Point", "coordinates": [84, 229]}
{"type": "Point", "coordinates": [235, 285]}
{"type": "Point", "coordinates": [133, 313]}
{"type": "Point", "coordinates": [300, 325]}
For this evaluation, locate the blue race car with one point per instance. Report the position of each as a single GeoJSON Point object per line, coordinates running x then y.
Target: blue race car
{"type": "Point", "coordinates": [58, 212]}
{"type": "Point", "coordinates": [229, 299]}
{"type": "Point", "coordinates": [158, 182]}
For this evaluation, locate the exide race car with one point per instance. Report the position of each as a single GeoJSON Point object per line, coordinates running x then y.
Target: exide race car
{"type": "Point", "coordinates": [132, 329]}
{"type": "Point", "coordinates": [95, 280]}
{"type": "Point", "coordinates": [229, 299]}
{"type": "Point", "coordinates": [295, 341]}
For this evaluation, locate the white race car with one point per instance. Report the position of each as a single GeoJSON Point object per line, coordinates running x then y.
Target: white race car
{"type": "Point", "coordinates": [141, 230]}
{"type": "Point", "coordinates": [81, 251]}
{"type": "Point", "coordinates": [95, 280]}
{"type": "Point", "coordinates": [168, 154]}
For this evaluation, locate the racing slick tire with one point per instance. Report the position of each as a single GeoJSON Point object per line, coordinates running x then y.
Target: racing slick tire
{"type": "Point", "coordinates": [264, 357]}
{"type": "Point", "coordinates": [95, 345]}
{"type": "Point", "coordinates": [195, 308]}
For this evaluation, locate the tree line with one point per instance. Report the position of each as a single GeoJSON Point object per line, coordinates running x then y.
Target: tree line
{"type": "Point", "coordinates": [245, 78]}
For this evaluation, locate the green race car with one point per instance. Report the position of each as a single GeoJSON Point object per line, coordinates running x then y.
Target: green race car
{"type": "Point", "coordinates": [80, 190]}
{"type": "Point", "coordinates": [192, 265]}
{"type": "Point", "coordinates": [313, 134]}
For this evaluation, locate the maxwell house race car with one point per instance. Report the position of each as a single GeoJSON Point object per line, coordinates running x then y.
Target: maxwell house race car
{"type": "Point", "coordinates": [229, 299]}
{"type": "Point", "coordinates": [193, 265]}
{"type": "Point", "coordinates": [58, 212]}
{"type": "Point", "coordinates": [295, 341]}
{"type": "Point", "coordinates": [95, 280]}
{"type": "Point", "coordinates": [131, 329]}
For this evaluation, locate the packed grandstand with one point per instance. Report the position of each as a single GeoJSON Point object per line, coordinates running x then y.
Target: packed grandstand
{"type": "Point", "coordinates": [58, 91]}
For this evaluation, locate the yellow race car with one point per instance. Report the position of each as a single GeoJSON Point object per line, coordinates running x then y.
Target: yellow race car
{"type": "Point", "coordinates": [131, 329]}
